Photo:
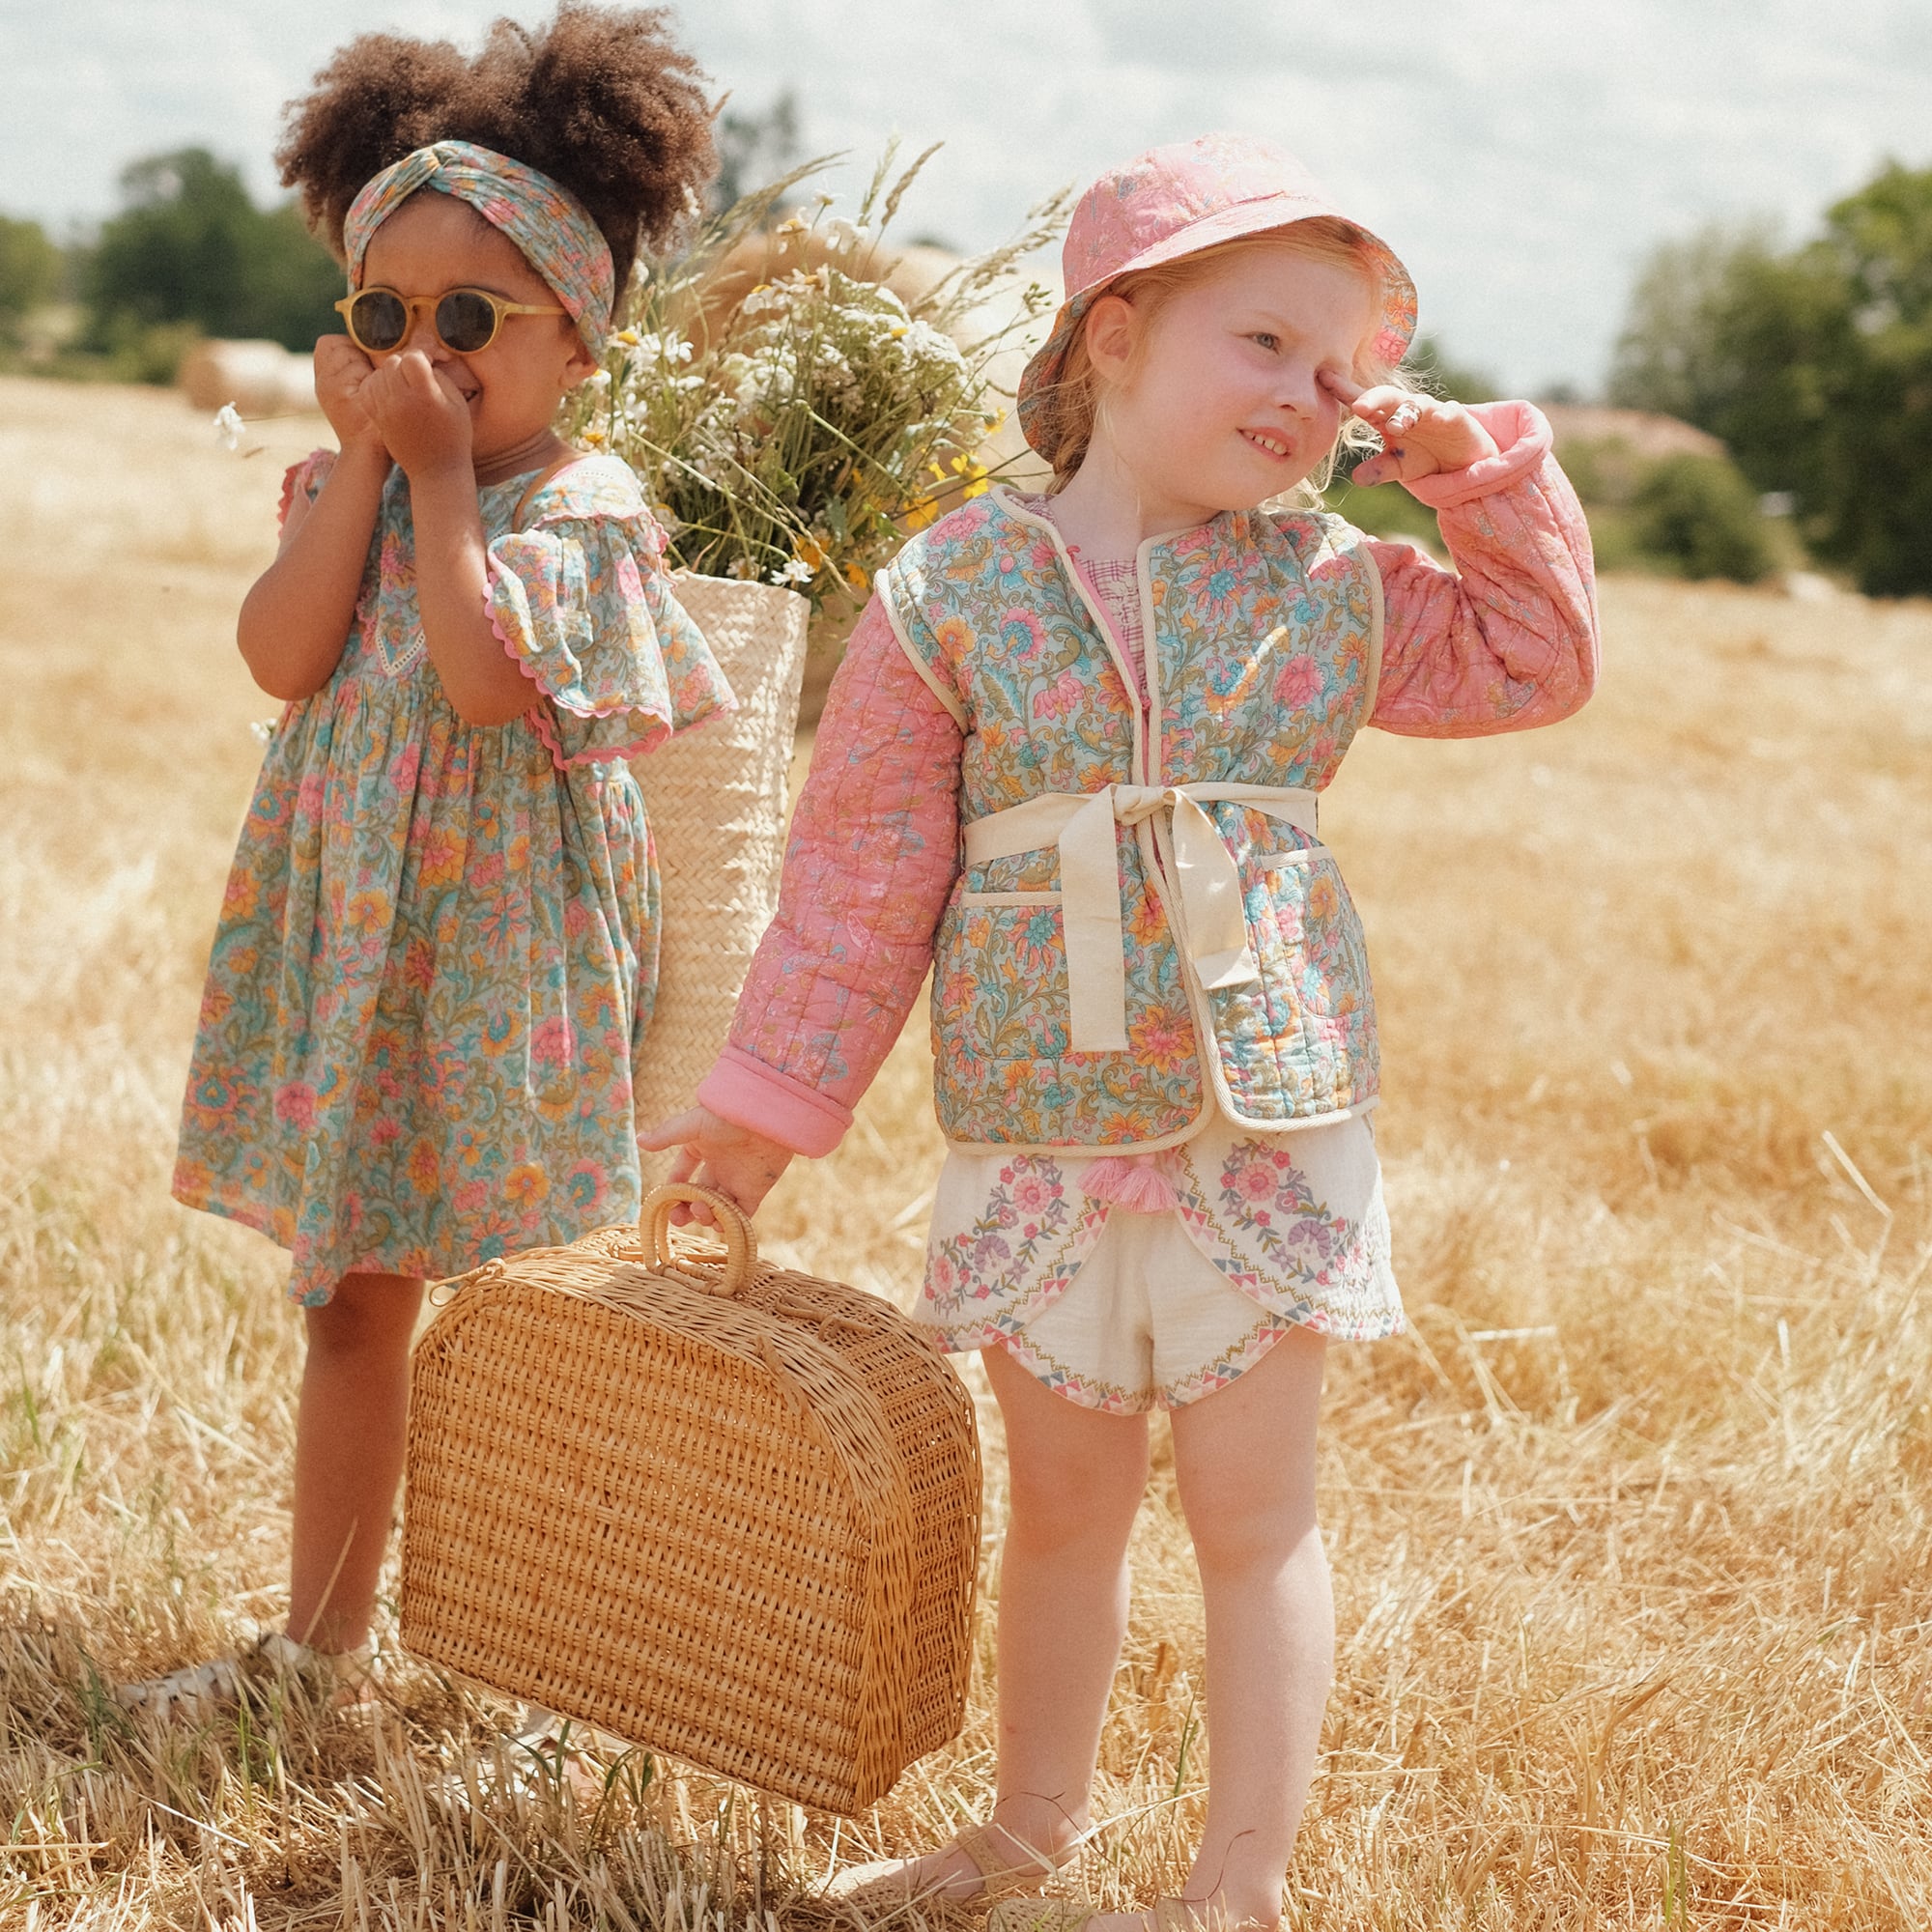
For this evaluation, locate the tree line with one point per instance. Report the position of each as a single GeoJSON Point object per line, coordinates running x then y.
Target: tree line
{"type": "Point", "coordinates": [1812, 363]}
{"type": "Point", "coordinates": [189, 254]}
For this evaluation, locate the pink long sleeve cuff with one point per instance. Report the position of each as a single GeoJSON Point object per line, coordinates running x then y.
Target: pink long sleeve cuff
{"type": "Point", "coordinates": [1523, 438]}
{"type": "Point", "coordinates": [749, 1094]}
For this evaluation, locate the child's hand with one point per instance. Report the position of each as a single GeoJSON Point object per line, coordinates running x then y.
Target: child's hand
{"type": "Point", "coordinates": [716, 1153]}
{"type": "Point", "coordinates": [1420, 436]}
{"type": "Point", "coordinates": [419, 413]}
{"type": "Point", "coordinates": [341, 370]}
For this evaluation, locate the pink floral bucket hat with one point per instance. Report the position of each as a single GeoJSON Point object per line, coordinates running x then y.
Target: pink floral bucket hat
{"type": "Point", "coordinates": [1175, 201]}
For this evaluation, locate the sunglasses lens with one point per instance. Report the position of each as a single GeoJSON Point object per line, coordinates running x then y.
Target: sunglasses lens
{"type": "Point", "coordinates": [380, 320]}
{"type": "Point", "coordinates": [466, 321]}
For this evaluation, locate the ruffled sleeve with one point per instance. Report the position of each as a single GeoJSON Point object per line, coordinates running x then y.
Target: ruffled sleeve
{"type": "Point", "coordinates": [581, 603]}
{"type": "Point", "coordinates": [302, 482]}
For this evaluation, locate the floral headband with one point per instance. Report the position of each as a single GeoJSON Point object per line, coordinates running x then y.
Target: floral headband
{"type": "Point", "coordinates": [544, 219]}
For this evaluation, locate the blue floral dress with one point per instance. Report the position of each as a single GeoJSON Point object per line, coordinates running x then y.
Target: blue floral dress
{"type": "Point", "coordinates": [432, 978]}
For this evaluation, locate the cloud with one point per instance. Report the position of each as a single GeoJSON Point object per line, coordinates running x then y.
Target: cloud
{"type": "Point", "coordinates": [1522, 155]}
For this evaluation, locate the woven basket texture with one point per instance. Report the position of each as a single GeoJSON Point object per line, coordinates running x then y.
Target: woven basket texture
{"type": "Point", "coordinates": [725, 1511]}
{"type": "Point", "coordinates": [717, 801]}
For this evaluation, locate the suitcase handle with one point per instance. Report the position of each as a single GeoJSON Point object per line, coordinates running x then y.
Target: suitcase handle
{"type": "Point", "coordinates": [741, 1244]}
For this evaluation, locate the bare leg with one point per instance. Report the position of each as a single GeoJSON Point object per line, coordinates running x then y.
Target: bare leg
{"type": "Point", "coordinates": [1077, 1477]}
{"type": "Point", "coordinates": [1245, 1461]}
{"type": "Point", "coordinates": [348, 1455]}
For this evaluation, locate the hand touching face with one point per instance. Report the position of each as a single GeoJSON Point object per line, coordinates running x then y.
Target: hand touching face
{"type": "Point", "coordinates": [1221, 397]}
{"type": "Point", "coordinates": [419, 413]}
{"type": "Point", "coordinates": [341, 369]}
{"type": "Point", "coordinates": [1420, 434]}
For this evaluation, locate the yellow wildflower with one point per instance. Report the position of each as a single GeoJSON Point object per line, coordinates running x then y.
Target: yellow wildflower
{"type": "Point", "coordinates": [974, 474]}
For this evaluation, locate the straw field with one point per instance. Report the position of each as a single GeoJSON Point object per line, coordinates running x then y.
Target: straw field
{"type": "Point", "coordinates": [1631, 1533]}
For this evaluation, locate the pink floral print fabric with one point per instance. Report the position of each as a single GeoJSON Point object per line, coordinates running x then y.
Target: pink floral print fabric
{"type": "Point", "coordinates": [1175, 201]}
{"type": "Point", "coordinates": [988, 602]}
{"type": "Point", "coordinates": [432, 977]}
{"type": "Point", "coordinates": [1504, 641]}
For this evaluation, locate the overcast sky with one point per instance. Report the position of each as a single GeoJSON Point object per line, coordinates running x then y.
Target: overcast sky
{"type": "Point", "coordinates": [1522, 155]}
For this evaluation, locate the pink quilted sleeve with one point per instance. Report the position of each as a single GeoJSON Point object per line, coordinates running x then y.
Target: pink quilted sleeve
{"type": "Point", "coordinates": [872, 859]}
{"type": "Point", "coordinates": [1507, 638]}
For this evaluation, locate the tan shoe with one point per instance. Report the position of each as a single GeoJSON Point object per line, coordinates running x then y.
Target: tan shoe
{"type": "Point", "coordinates": [1076, 1915]}
{"type": "Point", "coordinates": [1006, 1863]}
{"type": "Point", "coordinates": [338, 1678]}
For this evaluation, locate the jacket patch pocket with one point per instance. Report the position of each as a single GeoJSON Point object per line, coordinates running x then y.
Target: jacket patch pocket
{"type": "Point", "coordinates": [1308, 922]}
{"type": "Point", "coordinates": [1000, 989]}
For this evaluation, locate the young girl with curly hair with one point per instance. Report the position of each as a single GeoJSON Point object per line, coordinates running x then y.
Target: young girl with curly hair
{"type": "Point", "coordinates": [1071, 764]}
{"type": "Point", "coordinates": [432, 977]}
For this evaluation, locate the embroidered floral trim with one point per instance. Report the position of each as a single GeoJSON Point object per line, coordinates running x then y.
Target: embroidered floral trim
{"type": "Point", "coordinates": [1112, 1399]}
{"type": "Point", "coordinates": [1022, 1250]}
{"type": "Point", "coordinates": [1270, 1213]}
{"type": "Point", "coordinates": [1256, 1217]}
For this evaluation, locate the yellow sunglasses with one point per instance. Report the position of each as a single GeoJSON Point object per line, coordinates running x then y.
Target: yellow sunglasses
{"type": "Point", "coordinates": [467, 320]}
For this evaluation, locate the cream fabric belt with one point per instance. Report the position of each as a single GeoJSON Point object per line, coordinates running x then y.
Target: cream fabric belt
{"type": "Point", "coordinates": [1213, 927]}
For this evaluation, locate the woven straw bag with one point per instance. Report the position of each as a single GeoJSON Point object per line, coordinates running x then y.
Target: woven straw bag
{"type": "Point", "coordinates": [716, 805]}
{"type": "Point", "coordinates": [725, 1511]}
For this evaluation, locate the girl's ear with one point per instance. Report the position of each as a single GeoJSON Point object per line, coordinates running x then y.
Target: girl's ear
{"type": "Point", "coordinates": [1113, 333]}
{"type": "Point", "coordinates": [583, 362]}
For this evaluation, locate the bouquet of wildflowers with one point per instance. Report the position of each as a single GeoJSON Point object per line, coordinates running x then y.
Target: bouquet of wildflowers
{"type": "Point", "coordinates": [790, 415]}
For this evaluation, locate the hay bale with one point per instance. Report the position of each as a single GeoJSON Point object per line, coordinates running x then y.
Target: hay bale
{"type": "Point", "coordinates": [261, 378]}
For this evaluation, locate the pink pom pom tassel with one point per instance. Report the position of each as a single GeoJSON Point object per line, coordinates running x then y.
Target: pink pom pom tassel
{"type": "Point", "coordinates": [1138, 1182]}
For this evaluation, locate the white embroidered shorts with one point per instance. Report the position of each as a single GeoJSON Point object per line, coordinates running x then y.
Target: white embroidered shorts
{"type": "Point", "coordinates": [1128, 1310]}
{"type": "Point", "coordinates": [1147, 1322]}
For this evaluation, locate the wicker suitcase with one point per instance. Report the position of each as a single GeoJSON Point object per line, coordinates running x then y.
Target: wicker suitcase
{"type": "Point", "coordinates": [725, 1511]}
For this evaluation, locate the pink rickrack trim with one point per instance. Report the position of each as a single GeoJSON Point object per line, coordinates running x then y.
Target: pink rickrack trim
{"type": "Point", "coordinates": [539, 712]}
{"type": "Point", "coordinates": [600, 755]}
{"type": "Point", "coordinates": [296, 476]}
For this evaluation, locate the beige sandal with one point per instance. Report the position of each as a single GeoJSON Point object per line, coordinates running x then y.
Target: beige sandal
{"type": "Point", "coordinates": [338, 1678]}
{"type": "Point", "coordinates": [1075, 1915]}
{"type": "Point", "coordinates": [993, 1860]}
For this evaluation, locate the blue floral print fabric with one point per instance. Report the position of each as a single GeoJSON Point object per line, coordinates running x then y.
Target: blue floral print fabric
{"type": "Point", "coordinates": [431, 983]}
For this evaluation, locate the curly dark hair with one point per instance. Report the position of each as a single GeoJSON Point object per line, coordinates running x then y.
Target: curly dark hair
{"type": "Point", "coordinates": [602, 100]}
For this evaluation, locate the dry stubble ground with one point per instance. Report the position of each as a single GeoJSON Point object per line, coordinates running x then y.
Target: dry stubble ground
{"type": "Point", "coordinates": [1629, 1535]}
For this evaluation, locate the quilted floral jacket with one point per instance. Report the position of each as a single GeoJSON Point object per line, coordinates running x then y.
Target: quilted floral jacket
{"type": "Point", "coordinates": [1264, 639]}
{"type": "Point", "coordinates": [1133, 945]}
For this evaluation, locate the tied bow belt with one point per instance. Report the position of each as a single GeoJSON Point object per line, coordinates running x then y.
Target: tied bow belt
{"type": "Point", "coordinates": [1213, 925]}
